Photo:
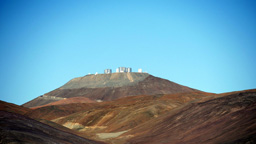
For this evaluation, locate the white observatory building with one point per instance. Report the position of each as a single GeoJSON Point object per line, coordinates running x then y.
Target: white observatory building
{"type": "Point", "coordinates": [107, 71]}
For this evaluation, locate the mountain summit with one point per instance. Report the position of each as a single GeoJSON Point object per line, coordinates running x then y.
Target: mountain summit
{"type": "Point", "coordinates": [105, 80]}
{"type": "Point", "coordinates": [107, 87]}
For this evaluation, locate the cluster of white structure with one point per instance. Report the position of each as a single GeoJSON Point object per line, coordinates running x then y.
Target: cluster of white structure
{"type": "Point", "coordinates": [107, 71]}
{"type": "Point", "coordinates": [121, 70]}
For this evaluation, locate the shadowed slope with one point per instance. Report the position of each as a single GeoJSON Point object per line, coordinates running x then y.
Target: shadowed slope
{"type": "Point", "coordinates": [16, 128]}
{"type": "Point", "coordinates": [228, 119]}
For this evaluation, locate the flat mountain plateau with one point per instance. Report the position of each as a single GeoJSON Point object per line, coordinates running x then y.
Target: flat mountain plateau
{"type": "Point", "coordinates": [131, 108]}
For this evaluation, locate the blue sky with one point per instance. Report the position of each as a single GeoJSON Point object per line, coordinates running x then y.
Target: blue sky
{"type": "Point", "coordinates": [209, 45]}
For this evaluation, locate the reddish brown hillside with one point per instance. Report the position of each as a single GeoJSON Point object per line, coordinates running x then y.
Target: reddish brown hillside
{"type": "Point", "coordinates": [228, 119]}
{"type": "Point", "coordinates": [9, 107]}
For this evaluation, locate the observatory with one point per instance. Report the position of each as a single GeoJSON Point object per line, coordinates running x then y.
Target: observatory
{"type": "Point", "coordinates": [123, 69]}
{"type": "Point", "coordinates": [107, 71]}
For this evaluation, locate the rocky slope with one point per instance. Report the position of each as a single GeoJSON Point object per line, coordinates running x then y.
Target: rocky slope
{"type": "Point", "coordinates": [16, 128]}
{"type": "Point", "coordinates": [107, 87]}
{"type": "Point", "coordinates": [227, 119]}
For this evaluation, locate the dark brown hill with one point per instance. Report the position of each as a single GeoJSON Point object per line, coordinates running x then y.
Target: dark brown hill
{"type": "Point", "coordinates": [227, 119]}
{"type": "Point", "coordinates": [107, 87]}
{"type": "Point", "coordinates": [16, 128]}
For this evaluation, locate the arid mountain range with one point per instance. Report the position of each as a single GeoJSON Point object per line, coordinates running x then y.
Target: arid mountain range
{"type": "Point", "coordinates": [131, 108]}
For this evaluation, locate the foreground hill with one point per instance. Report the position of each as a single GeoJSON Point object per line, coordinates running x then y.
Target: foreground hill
{"type": "Point", "coordinates": [96, 120]}
{"type": "Point", "coordinates": [16, 128]}
{"type": "Point", "coordinates": [194, 117]}
{"type": "Point", "coordinates": [107, 87]}
{"type": "Point", "coordinates": [227, 119]}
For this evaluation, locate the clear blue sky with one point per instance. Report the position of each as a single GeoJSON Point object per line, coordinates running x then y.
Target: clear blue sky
{"type": "Point", "coordinates": [209, 45]}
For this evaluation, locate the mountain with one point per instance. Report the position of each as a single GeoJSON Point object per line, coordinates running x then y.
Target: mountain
{"type": "Point", "coordinates": [107, 87]}
{"type": "Point", "coordinates": [134, 108]}
{"type": "Point", "coordinates": [131, 108]}
{"type": "Point", "coordinates": [15, 127]}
